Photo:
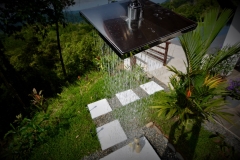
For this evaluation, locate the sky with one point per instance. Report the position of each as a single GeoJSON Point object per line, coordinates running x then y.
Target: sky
{"type": "Point", "coordinates": [84, 4]}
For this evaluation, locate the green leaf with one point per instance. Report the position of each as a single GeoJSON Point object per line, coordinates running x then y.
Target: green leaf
{"type": "Point", "coordinates": [12, 126]}
{"type": "Point", "coordinates": [196, 43]}
{"type": "Point", "coordinates": [9, 132]}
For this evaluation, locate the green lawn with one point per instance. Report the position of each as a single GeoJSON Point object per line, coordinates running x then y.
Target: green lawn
{"type": "Point", "coordinates": [75, 135]}
{"type": "Point", "coordinates": [70, 132]}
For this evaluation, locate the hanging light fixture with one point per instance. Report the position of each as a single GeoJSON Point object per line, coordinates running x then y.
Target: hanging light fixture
{"type": "Point", "coordinates": [131, 26]}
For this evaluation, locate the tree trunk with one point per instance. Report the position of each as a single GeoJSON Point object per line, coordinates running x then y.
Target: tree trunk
{"type": "Point", "coordinates": [60, 51]}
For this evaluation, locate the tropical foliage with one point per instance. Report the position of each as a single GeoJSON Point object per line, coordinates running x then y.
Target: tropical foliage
{"type": "Point", "coordinates": [34, 63]}
{"type": "Point", "coordinates": [197, 94]}
{"type": "Point", "coordinates": [15, 14]}
{"type": "Point", "coordinates": [195, 9]}
{"type": "Point", "coordinates": [65, 127]}
{"type": "Point", "coordinates": [24, 136]}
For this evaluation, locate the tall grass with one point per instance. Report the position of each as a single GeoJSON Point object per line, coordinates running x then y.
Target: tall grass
{"type": "Point", "coordinates": [75, 135]}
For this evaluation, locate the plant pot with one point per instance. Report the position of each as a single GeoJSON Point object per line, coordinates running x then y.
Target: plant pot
{"type": "Point", "coordinates": [232, 102]}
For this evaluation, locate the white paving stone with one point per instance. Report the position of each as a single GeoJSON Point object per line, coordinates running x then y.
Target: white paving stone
{"type": "Point", "coordinates": [99, 108]}
{"type": "Point", "coordinates": [127, 152]}
{"type": "Point", "coordinates": [151, 87]}
{"type": "Point", "coordinates": [110, 134]}
{"type": "Point", "coordinates": [127, 97]}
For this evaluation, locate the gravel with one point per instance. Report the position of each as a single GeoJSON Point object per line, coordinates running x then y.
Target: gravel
{"type": "Point", "coordinates": [114, 102]}
{"type": "Point", "coordinates": [158, 141]}
{"type": "Point", "coordinates": [140, 92]}
{"type": "Point", "coordinates": [153, 134]}
{"type": "Point", "coordinates": [155, 139]}
{"type": "Point", "coordinates": [159, 144]}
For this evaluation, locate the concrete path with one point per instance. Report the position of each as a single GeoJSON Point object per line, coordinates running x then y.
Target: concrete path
{"type": "Point", "coordinates": [176, 58]}
{"type": "Point", "coordinates": [127, 152]}
{"type": "Point", "coordinates": [111, 133]}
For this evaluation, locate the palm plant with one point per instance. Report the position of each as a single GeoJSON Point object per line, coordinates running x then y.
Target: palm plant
{"type": "Point", "coordinates": [197, 94]}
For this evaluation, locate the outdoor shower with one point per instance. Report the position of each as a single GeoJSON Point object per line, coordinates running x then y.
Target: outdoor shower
{"type": "Point", "coordinates": [130, 26]}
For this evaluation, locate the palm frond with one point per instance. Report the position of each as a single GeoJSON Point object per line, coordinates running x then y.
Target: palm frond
{"type": "Point", "coordinates": [196, 43]}
{"type": "Point", "coordinates": [198, 106]}
{"type": "Point", "coordinates": [212, 82]}
{"type": "Point", "coordinates": [214, 105]}
{"type": "Point", "coordinates": [171, 113]}
{"type": "Point", "coordinates": [191, 43]}
{"type": "Point", "coordinates": [174, 70]}
{"type": "Point", "coordinates": [215, 109]}
{"type": "Point", "coordinates": [166, 110]}
{"type": "Point", "coordinates": [224, 115]}
{"type": "Point", "coordinates": [214, 21]}
{"type": "Point", "coordinates": [220, 56]}
{"type": "Point", "coordinates": [197, 80]}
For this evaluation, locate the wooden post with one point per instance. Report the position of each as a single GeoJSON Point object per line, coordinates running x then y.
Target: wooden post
{"type": "Point", "coordinates": [133, 61]}
{"type": "Point", "coordinates": [166, 52]}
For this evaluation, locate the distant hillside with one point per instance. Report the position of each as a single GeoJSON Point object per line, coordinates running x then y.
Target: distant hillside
{"type": "Point", "coordinates": [73, 17]}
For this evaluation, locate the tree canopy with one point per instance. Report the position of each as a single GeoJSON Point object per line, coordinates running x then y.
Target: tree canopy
{"type": "Point", "coordinates": [17, 13]}
{"type": "Point", "coordinates": [195, 9]}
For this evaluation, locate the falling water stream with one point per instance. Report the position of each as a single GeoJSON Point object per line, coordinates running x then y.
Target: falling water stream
{"type": "Point", "coordinates": [121, 77]}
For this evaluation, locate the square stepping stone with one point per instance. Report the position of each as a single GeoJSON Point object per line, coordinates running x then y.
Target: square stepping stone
{"type": "Point", "coordinates": [110, 134]}
{"type": "Point", "coordinates": [127, 97]}
{"type": "Point", "coordinates": [128, 153]}
{"type": "Point", "coordinates": [151, 87]}
{"type": "Point", "coordinates": [99, 108]}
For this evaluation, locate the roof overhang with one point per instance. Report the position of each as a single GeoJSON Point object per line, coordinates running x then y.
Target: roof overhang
{"type": "Point", "coordinates": [128, 28]}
